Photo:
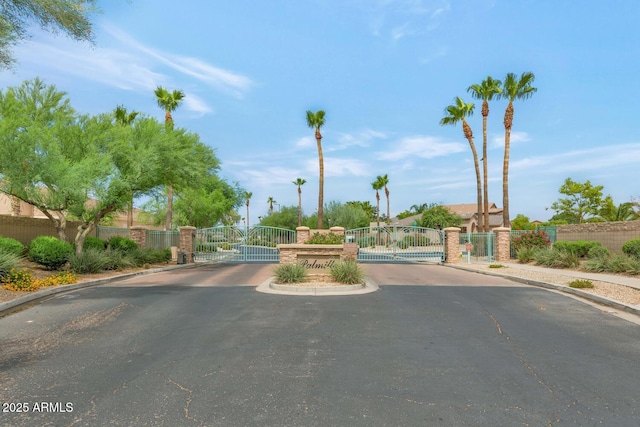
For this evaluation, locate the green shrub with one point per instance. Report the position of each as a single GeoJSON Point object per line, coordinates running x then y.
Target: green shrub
{"type": "Point", "coordinates": [118, 259]}
{"type": "Point", "coordinates": [123, 244]}
{"type": "Point", "coordinates": [90, 260]}
{"type": "Point", "coordinates": [579, 247]}
{"type": "Point", "coordinates": [325, 239]}
{"type": "Point", "coordinates": [632, 248]}
{"type": "Point", "coordinates": [581, 284]}
{"type": "Point", "coordinates": [50, 252]}
{"type": "Point", "coordinates": [409, 241]}
{"type": "Point", "coordinates": [554, 258]}
{"type": "Point", "coordinates": [347, 272]}
{"type": "Point", "coordinates": [11, 245]}
{"type": "Point", "coordinates": [224, 246]}
{"type": "Point", "coordinates": [94, 243]}
{"type": "Point", "coordinates": [496, 266]}
{"type": "Point", "coordinates": [144, 256]}
{"type": "Point", "coordinates": [290, 273]}
{"type": "Point", "coordinates": [598, 252]}
{"type": "Point", "coordinates": [534, 239]}
{"type": "Point", "coordinates": [366, 242]}
{"type": "Point", "coordinates": [8, 261]}
{"type": "Point", "coordinates": [525, 255]}
{"type": "Point", "coordinates": [622, 264]}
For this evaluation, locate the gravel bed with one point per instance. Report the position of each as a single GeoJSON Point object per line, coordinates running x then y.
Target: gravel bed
{"type": "Point", "coordinates": [617, 292]}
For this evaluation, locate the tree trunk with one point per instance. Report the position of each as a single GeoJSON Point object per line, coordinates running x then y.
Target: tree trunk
{"type": "Point", "coordinates": [508, 121]}
{"type": "Point", "coordinates": [378, 208]}
{"type": "Point", "coordinates": [248, 224]}
{"type": "Point", "coordinates": [299, 207]}
{"type": "Point", "coordinates": [167, 225]}
{"type": "Point", "coordinates": [386, 192]}
{"type": "Point", "coordinates": [469, 135]}
{"type": "Point", "coordinates": [130, 213]}
{"type": "Point", "coordinates": [60, 223]}
{"type": "Point", "coordinates": [485, 168]}
{"type": "Point", "coordinates": [15, 206]}
{"type": "Point", "coordinates": [321, 183]}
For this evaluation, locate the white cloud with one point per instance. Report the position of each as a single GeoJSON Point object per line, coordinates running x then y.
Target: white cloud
{"type": "Point", "coordinates": [223, 80]}
{"type": "Point", "coordinates": [426, 147]}
{"type": "Point", "coordinates": [515, 138]}
{"type": "Point", "coordinates": [592, 159]}
{"type": "Point", "coordinates": [358, 139]}
{"type": "Point", "coordinates": [334, 166]}
{"type": "Point", "coordinates": [194, 103]}
{"type": "Point", "coordinates": [305, 142]}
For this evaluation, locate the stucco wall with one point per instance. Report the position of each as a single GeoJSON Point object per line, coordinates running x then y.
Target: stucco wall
{"type": "Point", "coordinates": [611, 234]}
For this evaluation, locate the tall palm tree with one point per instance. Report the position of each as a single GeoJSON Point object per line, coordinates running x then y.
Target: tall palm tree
{"type": "Point", "coordinates": [271, 201]}
{"type": "Point", "coordinates": [247, 198]}
{"type": "Point", "coordinates": [124, 118]}
{"type": "Point", "coordinates": [377, 185]}
{"type": "Point", "coordinates": [169, 101]}
{"type": "Point", "coordinates": [384, 179]}
{"type": "Point", "coordinates": [512, 88]}
{"type": "Point", "coordinates": [299, 182]}
{"type": "Point", "coordinates": [487, 90]}
{"type": "Point", "coordinates": [316, 121]}
{"type": "Point", "coordinates": [457, 113]}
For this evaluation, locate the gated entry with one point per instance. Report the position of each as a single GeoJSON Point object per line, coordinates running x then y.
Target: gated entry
{"type": "Point", "coordinates": [239, 244]}
{"type": "Point", "coordinates": [398, 244]}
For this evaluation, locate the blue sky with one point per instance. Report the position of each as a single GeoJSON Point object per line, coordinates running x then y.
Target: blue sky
{"type": "Point", "coordinates": [383, 70]}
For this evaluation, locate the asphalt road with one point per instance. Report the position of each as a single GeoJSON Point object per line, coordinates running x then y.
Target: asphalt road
{"type": "Point", "coordinates": [434, 346]}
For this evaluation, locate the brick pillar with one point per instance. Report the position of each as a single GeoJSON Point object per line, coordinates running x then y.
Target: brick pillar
{"type": "Point", "coordinates": [187, 242]}
{"type": "Point", "coordinates": [452, 245]}
{"type": "Point", "coordinates": [139, 235]}
{"type": "Point", "coordinates": [337, 230]}
{"type": "Point", "coordinates": [350, 251]}
{"type": "Point", "coordinates": [302, 234]}
{"type": "Point", "coordinates": [503, 243]}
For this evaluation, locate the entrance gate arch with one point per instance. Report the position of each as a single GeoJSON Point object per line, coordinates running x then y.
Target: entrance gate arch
{"type": "Point", "coordinates": [241, 244]}
{"type": "Point", "coordinates": [398, 244]}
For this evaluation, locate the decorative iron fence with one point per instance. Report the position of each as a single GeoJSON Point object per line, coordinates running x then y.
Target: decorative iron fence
{"type": "Point", "coordinates": [477, 247]}
{"type": "Point", "coordinates": [398, 244]}
{"type": "Point", "coordinates": [239, 244]}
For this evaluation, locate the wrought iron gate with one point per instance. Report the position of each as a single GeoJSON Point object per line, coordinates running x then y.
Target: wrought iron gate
{"type": "Point", "coordinates": [398, 244]}
{"type": "Point", "coordinates": [238, 244]}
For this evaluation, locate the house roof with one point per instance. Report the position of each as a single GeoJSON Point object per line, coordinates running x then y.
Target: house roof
{"type": "Point", "coordinates": [466, 210]}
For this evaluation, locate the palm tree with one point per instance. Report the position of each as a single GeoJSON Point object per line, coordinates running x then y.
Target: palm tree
{"type": "Point", "coordinates": [169, 101]}
{"type": "Point", "coordinates": [385, 181]}
{"type": "Point", "coordinates": [419, 208]}
{"type": "Point", "coordinates": [299, 182]}
{"type": "Point", "coordinates": [512, 89]}
{"type": "Point", "coordinates": [124, 118]}
{"type": "Point", "coordinates": [316, 121]}
{"type": "Point", "coordinates": [487, 90]}
{"type": "Point", "coordinates": [622, 212]}
{"type": "Point", "coordinates": [377, 185]}
{"type": "Point", "coordinates": [271, 201]}
{"type": "Point", "coordinates": [247, 198]}
{"type": "Point", "coordinates": [457, 113]}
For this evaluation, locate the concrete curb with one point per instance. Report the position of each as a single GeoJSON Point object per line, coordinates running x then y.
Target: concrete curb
{"type": "Point", "coordinates": [8, 307]}
{"type": "Point", "coordinates": [268, 287]}
{"type": "Point", "coordinates": [565, 289]}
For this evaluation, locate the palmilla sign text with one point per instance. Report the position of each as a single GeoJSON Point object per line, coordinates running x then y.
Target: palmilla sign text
{"type": "Point", "coordinates": [317, 263]}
